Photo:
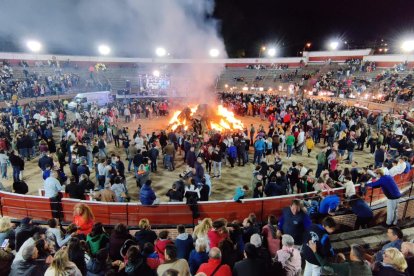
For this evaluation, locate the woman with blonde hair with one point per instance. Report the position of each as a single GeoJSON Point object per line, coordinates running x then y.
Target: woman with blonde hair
{"type": "Point", "coordinates": [83, 218]}
{"type": "Point", "coordinates": [62, 266]}
{"type": "Point", "coordinates": [201, 231]}
{"type": "Point", "coordinates": [7, 231]}
{"type": "Point", "coordinates": [393, 263]}
{"type": "Point", "coordinates": [198, 255]}
{"type": "Point", "coordinates": [145, 234]}
{"type": "Point", "coordinates": [43, 147]}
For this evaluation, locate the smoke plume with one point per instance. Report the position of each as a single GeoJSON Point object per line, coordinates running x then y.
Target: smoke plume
{"type": "Point", "coordinates": [132, 28]}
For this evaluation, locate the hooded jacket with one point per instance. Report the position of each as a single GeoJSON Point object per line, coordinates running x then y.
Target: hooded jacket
{"type": "Point", "coordinates": [147, 195]}
{"type": "Point", "coordinates": [184, 244]}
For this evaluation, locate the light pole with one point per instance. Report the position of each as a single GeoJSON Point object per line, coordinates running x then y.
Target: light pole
{"type": "Point", "coordinates": [214, 52]}
{"type": "Point", "coordinates": [160, 52]}
{"type": "Point", "coordinates": [34, 46]}
{"type": "Point", "coordinates": [104, 49]}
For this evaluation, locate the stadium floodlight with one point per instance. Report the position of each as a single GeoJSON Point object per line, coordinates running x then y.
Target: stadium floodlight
{"type": "Point", "coordinates": [156, 73]}
{"type": "Point", "coordinates": [408, 46]}
{"type": "Point", "coordinates": [104, 49]}
{"type": "Point", "coordinates": [161, 52]}
{"type": "Point", "coordinates": [271, 52]}
{"type": "Point", "coordinates": [333, 45]}
{"type": "Point", "coordinates": [214, 52]}
{"type": "Point", "coordinates": [34, 46]}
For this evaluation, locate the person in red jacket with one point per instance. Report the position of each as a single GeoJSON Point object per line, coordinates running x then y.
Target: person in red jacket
{"type": "Point", "coordinates": [214, 265]}
{"type": "Point", "coordinates": [83, 218]}
{"type": "Point", "coordinates": [161, 243]}
{"type": "Point", "coordinates": [218, 232]}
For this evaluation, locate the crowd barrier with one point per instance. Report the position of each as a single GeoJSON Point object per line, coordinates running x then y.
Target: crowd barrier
{"type": "Point", "coordinates": [172, 213]}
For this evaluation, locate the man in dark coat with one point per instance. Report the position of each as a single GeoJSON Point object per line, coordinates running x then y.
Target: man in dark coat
{"type": "Point", "coordinates": [251, 265]}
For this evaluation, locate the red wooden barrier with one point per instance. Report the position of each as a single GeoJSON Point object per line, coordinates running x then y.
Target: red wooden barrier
{"type": "Point", "coordinates": [19, 206]}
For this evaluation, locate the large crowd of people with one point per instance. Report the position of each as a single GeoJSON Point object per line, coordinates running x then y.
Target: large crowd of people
{"type": "Point", "coordinates": [389, 85]}
{"type": "Point", "coordinates": [60, 78]}
{"type": "Point", "coordinates": [326, 131]}
{"type": "Point", "coordinates": [219, 247]}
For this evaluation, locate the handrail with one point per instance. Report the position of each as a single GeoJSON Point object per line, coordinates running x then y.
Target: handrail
{"type": "Point", "coordinates": [18, 206]}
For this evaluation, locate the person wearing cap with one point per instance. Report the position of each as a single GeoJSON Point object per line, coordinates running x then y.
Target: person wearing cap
{"type": "Point", "coordinates": [251, 265]}
{"type": "Point", "coordinates": [391, 191]}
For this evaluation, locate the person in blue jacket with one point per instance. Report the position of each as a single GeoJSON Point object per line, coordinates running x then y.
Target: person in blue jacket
{"type": "Point", "coordinates": [294, 221]}
{"type": "Point", "coordinates": [407, 165]}
{"type": "Point", "coordinates": [147, 195]}
{"type": "Point", "coordinates": [259, 147]}
{"type": "Point", "coordinates": [240, 193]}
{"type": "Point", "coordinates": [328, 204]}
{"type": "Point", "coordinates": [184, 243]}
{"type": "Point", "coordinates": [232, 154]}
{"type": "Point", "coordinates": [319, 234]}
{"type": "Point", "coordinates": [363, 212]}
{"type": "Point", "coordinates": [391, 191]}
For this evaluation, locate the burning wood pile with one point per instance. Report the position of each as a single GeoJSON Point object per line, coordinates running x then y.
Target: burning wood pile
{"type": "Point", "coordinates": [205, 117]}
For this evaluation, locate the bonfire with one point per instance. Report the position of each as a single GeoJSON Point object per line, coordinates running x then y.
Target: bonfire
{"type": "Point", "coordinates": [206, 117]}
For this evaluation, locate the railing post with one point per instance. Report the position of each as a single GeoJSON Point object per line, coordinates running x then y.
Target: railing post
{"type": "Point", "coordinates": [261, 214]}
{"type": "Point", "coordinates": [372, 195]}
{"type": "Point", "coordinates": [407, 202]}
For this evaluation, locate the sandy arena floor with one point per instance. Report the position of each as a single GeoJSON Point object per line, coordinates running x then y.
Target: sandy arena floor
{"type": "Point", "coordinates": [162, 180]}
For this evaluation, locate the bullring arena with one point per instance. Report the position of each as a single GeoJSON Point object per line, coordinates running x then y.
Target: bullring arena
{"type": "Point", "coordinates": [300, 81]}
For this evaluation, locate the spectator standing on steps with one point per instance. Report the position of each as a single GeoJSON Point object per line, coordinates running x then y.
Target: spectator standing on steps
{"type": "Point", "coordinates": [294, 221]}
{"type": "Point", "coordinates": [319, 234]}
{"type": "Point", "coordinates": [391, 191]}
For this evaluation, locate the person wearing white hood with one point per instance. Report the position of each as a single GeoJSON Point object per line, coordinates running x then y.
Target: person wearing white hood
{"type": "Point", "coordinates": [301, 141]}
{"type": "Point", "coordinates": [139, 142]}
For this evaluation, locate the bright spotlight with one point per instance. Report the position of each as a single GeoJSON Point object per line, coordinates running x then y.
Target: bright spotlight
{"type": "Point", "coordinates": [34, 46]}
{"type": "Point", "coordinates": [160, 52]}
{"type": "Point", "coordinates": [214, 53]}
{"type": "Point", "coordinates": [271, 52]}
{"type": "Point", "coordinates": [408, 46]}
{"type": "Point", "coordinates": [156, 73]}
{"type": "Point", "coordinates": [333, 45]}
{"type": "Point", "coordinates": [104, 49]}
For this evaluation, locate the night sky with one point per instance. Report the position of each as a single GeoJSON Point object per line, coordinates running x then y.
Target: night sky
{"type": "Point", "coordinates": [246, 25]}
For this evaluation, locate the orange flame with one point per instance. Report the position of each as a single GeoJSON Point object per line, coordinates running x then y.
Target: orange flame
{"type": "Point", "coordinates": [226, 118]}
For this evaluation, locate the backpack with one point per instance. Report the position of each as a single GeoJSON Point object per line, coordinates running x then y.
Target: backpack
{"type": "Point", "coordinates": [127, 244]}
{"type": "Point", "coordinates": [101, 144]}
{"type": "Point", "coordinates": [95, 245]}
{"type": "Point", "coordinates": [20, 187]}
